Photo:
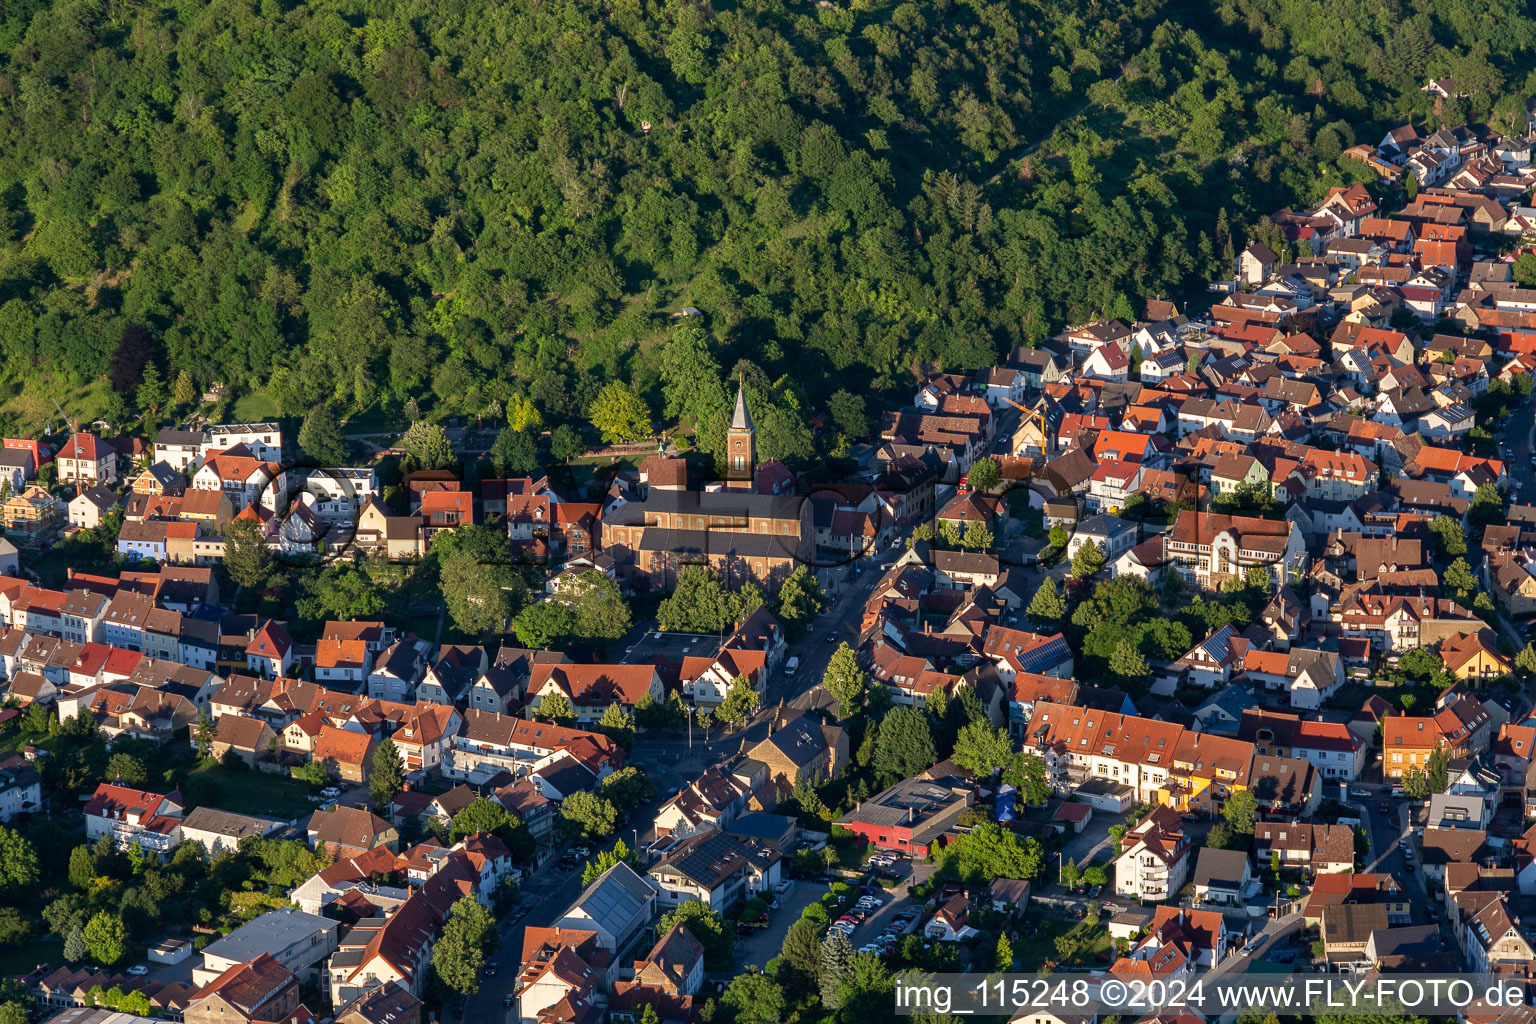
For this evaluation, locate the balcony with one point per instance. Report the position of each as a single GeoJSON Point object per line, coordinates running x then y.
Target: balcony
{"type": "Point", "coordinates": [125, 835]}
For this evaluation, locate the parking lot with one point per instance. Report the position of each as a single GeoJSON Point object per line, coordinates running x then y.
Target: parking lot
{"type": "Point", "coordinates": [880, 917]}
{"type": "Point", "coordinates": [763, 944]}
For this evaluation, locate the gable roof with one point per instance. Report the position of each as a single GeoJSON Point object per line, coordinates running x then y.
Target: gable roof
{"type": "Point", "coordinates": [351, 827]}
{"type": "Point", "coordinates": [249, 986]}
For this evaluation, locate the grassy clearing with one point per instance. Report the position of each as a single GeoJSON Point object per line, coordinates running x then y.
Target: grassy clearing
{"type": "Point", "coordinates": [248, 791]}
{"type": "Point", "coordinates": [1034, 950]}
{"type": "Point", "coordinates": [255, 407]}
{"type": "Point", "coordinates": [22, 959]}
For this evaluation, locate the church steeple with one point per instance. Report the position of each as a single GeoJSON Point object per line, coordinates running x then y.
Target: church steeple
{"type": "Point", "coordinates": [740, 441]}
{"type": "Point", "coordinates": [741, 419]}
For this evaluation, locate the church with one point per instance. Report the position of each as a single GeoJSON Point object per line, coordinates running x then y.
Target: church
{"type": "Point", "coordinates": [741, 534]}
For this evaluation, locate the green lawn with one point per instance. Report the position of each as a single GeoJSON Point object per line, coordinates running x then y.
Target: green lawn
{"type": "Point", "coordinates": [254, 408]}
{"type": "Point", "coordinates": [248, 792]}
{"type": "Point", "coordinates": [1032, 951]}
{"type": "Point", "coordinates": [14, 739]}
{"type": "Point", "coordinates": [23, 958]}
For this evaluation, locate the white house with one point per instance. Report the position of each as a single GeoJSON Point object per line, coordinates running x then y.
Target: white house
{"type": "Point", "coordinates": [129, 816]}
{"type": "Point", "coordinates": [1154, 857]}
{"type": "Point", "coordinates": [719, 870]}
{"type": "Point", "coordinates": [1114, 536]}
{"type": "Point", "coordinates": [264, 440]}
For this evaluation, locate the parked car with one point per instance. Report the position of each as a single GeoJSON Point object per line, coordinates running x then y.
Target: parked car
{"type": "Point", "coordinates": [331, 792]}
{"type": "Point", "coordinates": [1357, 791]}
{"type": "Point", "coordinates": [138, 970]}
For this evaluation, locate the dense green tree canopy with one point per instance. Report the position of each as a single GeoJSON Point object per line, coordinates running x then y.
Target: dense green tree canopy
{"type": "Point", "coordinates": [400, 204]}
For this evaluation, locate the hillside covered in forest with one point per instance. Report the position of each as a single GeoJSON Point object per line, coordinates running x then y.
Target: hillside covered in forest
{"type": "Point", "coordinates": [455, 202]}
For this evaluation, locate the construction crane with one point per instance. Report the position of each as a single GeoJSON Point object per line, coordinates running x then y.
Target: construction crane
{"type": "Point", "coordinates": [74, 425]}
{"type": "Point", "coordinates": [1034, 416]}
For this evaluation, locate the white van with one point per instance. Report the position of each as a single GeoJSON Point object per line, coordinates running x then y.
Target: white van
{"type": "Point", "coordinates": [791, 665]}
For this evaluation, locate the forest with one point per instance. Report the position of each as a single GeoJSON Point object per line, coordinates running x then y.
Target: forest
{"type": "Point", "coordinates": [460, 208]}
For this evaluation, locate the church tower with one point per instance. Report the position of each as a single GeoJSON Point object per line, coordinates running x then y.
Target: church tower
{"type": "Point", "coordinates": [740, 442]}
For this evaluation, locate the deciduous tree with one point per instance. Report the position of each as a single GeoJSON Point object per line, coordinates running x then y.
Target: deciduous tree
{"type": "Point", "coordinates": [1087, 560]}
{"type": "Point", "coordinates": [514, 453]}
{"type": "Point", "coordinates": [478, 593]}
{"type": "Point", "coordinates": [1047, 607]}
{"type": "Point", "coordinates": [555, 706]}
{"type": "Point", "coordinates": [717, 937]}
{"type": "Point", "coordinates": [845, 680]}
{"type": "Point", "coordinates": [620, 415]}
{"type": "Point", "coordinates": [458, 955]}
{"type": "Point", "coordinates": [589, 815]}
{"type": "Point", "coordinates": [105, 938]}
{"type": "Point", "coordinates": [984, 474]}
{"type": "Point", "coordinates": [544, 623]}
{"type": "Point", "coordinates": [18, 861]}
{"type": "Point", "coordinates": [905, 745]}
{"type": "Point", "coordinates": [982, 750]}
{"type": "Point", "coordinates": [1241, 811]}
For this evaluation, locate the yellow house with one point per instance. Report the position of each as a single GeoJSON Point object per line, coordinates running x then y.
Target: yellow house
{"type": "Point", "coordinates": [1206, 771]}
{"type": "Point", "coordinates": [1514, 583]}
{"type": "Point", "coordinates": [1473, 656]}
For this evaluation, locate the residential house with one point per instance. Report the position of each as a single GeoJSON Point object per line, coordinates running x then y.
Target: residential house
{"type": "Point", "coordinates": [221, 831]}
{"type": "Point", "coordinates": [349, 831]}
{"type": "Point", "coordinates": [1317, 849]}
{"type": "Point", "coordinates": [390, 1003]}
{"type": "Point", "coordinates": [90, 506]}
{"type": "Point", "coordinates": [1286, 786]}
{"type": "Point", "coordinates": [448, 679]}
{"type": "Point", "coordinates": [87, 461]}
{"type": "Point", "coordinates": [269, 653]}
{"type": "Point", "coordinates": [296, 940]}
{"type": "Point", "coordinates": [1330, 747]}
{"type": "Point", "coordinates": [591, 689]}
{"type": "Point", "coordinates": [398, 669]}
{"type": "Point", "coordinates": [134, 816]}
{"type": "Point", "coordinates": [800, 746]}
{"type": "Point", "coordinates": [347, 753]}
{"type": "Point", "coordinates": [260, 990]}
{"type": "Point", "coordinates": [1222, 876]}
{"type": "Point", "coordinates": [1154, 857]}
{"type": "Point", "coordinates": [951, 921]}
{"type": "Point", "coordinates": [1210, 548]}
{"type": "Point", "coordinates": [20, 788]}
{"type": "Point", "coordinates": [718, 869]}
{"type": "Point", "coordinates": [247, 738]}
{"type": "Point", "coordinates": [1113, 536]}
{"type": "Point", "coordinates": [1309, 677]}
